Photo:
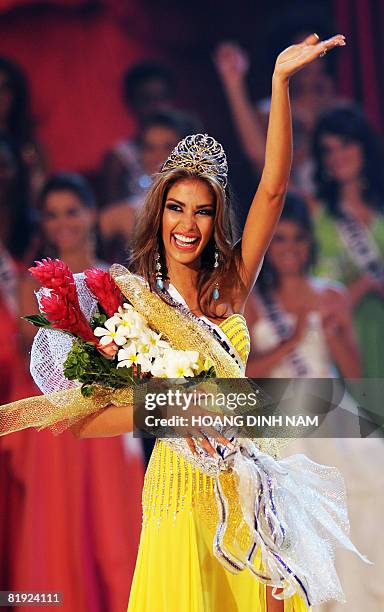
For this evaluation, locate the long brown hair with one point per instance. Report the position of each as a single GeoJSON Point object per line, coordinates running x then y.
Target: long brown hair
{"type": "Point", "coordinates": [148, 240]}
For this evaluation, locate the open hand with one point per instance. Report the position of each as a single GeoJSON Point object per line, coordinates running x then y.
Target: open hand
{"type": "Point", "coordinates": [334, 312]}
{"type": "Point", "coordinates": [231, 62]}
{"type": "Point", "coordinates": [295, 57]}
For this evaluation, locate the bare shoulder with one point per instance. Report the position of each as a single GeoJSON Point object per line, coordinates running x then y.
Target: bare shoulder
{"type": "Point", "coordinates": [331, 292]}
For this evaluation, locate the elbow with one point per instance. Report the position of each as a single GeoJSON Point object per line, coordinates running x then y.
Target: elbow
{"type": "Point", "coordinates": [274, 193]}
{"type": "Point", "coordinates": [276, 197]}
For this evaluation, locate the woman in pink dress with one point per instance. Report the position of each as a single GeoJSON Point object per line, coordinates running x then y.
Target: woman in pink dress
{"type": "Point", "coordinates": [77, 502]}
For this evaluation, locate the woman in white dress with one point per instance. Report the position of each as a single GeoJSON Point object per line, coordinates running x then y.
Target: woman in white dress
{"type": "Point", "coordinates": [301, 327]}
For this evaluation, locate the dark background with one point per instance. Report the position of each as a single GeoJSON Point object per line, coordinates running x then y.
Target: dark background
{"type": "Point", "coordinates": [74, 53]}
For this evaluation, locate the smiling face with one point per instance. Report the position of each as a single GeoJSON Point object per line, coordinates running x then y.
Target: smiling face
{"type": "Point", "coordinates": [289, 252]}
{"type": "Point", "coordinates": [342, 158]}
{"type": "Point", "coordinates": [188, 221]}
{"type": "Point", "coordinates": [67, 222]}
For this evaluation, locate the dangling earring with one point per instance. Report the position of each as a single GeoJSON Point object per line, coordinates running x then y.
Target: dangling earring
{"type": "Point", "coordinates": [216, 292]}
{"type": "Point", "coordinates": [158, 273]}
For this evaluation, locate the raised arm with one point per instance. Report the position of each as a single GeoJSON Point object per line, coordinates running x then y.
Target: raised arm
{"type": "Point", "coordinates": [232, 66]}
{"type": "Point", "coordinates": [267, 204]}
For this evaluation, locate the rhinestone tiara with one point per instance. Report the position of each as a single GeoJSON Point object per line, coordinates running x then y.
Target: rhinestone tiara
{"type": "Point", "coordinates": [201, 153]}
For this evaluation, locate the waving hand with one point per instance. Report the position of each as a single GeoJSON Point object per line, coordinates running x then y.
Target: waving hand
{"type": "Point", "coordinates": [295, 57]}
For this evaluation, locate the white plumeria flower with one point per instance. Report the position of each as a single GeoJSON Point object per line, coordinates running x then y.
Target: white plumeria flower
{"type": "Point", "coordinates": [179, 364]}
{"type": "Point", "coordinates": [144, 347]}
{"type": "Point", "coordinates": [122, 309]}
{"type": "Point", "coordinates": [127, 356]}
{"type": "Point", "coordinates": [158, 368]}
{"type": "Point", "coordinates": [156, 342]}
{"type": "Point", "coordinates": [110, 332]}
{"type": "Point", "coordinates": [132, 325]}
{"type": "Point", "coordinates": [129, 330]}
{"type": "Point", "coordinates": [194, 358]}
{"type": "Point", "coordinates": [135, 316]}
{"type": "Point", "coordinates": [178, 370]}
{"type": "Point", "coordinates": [150, 344]}
{"type": "Point", "coordinates": [145, 362]}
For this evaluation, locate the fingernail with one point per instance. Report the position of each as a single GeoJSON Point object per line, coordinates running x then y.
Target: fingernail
{"type": "Point", "coordinates": [231, 446]}
{"type": "Point", "coordinates": [317, 36]}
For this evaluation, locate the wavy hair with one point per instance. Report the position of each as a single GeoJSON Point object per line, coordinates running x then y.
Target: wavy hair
{"type": "Point", "coordinates": [148, 237]}
{"type": "Point", "coordinates": [20, 121]}
{"type": "Point", "coordinates": [351, 125]}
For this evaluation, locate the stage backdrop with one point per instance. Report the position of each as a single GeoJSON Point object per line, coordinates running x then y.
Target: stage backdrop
{"type": "Point", "coordinates": [74, 53]}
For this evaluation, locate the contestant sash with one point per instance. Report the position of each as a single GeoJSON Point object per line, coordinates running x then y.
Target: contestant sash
{"type": "Point", "coordinates": [362, 247]}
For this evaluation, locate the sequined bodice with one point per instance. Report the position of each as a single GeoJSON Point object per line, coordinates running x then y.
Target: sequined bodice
{"type": "Point", "coordinates": [172, 485]}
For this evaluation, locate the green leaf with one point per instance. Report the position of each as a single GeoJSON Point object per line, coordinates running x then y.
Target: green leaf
{"type": "Point", "coordinates": [86, 390]}
{"type": "Point", "coordinates": [98, 319]}
{"type": "Point", "coordinates": [38, 320]}
{"type": "Point", "coordinates": [87, 365]}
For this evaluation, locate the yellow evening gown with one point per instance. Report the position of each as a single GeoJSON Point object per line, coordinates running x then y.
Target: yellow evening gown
{"type": "Point", "coordinates": [176, 570]}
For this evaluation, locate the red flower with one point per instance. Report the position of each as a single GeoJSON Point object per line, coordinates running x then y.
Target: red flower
{"type": "Point", "coordinates": [104, 289]}
{"type": "Point", "coordinates": [55, 274]}
{"type": "Point", "coordinates": [67, 316]}
{"type": "Point", "coordinates": [61, 306]}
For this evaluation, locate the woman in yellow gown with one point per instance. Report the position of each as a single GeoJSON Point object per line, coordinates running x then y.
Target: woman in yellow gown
{"type": "Point", "coordinates": [184, 250]}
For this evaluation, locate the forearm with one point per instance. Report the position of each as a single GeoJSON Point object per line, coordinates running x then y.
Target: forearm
{"type": "Point", "coordinates": [267, 204]}
{"type": "Point", "coordinates": [358, 289]}
{"type": "Point", "coordinates": [278, 151]}
{"type": "Point", "coordinates": [260, 365]}
{"type": "Point", "coordinates": [107, 422]}
{"type": "Point", "coordinates": [250, 130]}
{"type": "Point", "coordinates": [345, 355]}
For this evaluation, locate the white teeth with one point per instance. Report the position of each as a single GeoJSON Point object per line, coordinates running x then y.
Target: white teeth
{"type": "Point", "coordinates": [185, 239]}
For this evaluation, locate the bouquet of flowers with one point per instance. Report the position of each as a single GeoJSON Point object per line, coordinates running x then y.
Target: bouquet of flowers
{"type": "Point", "coordinates": [116, 347]}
